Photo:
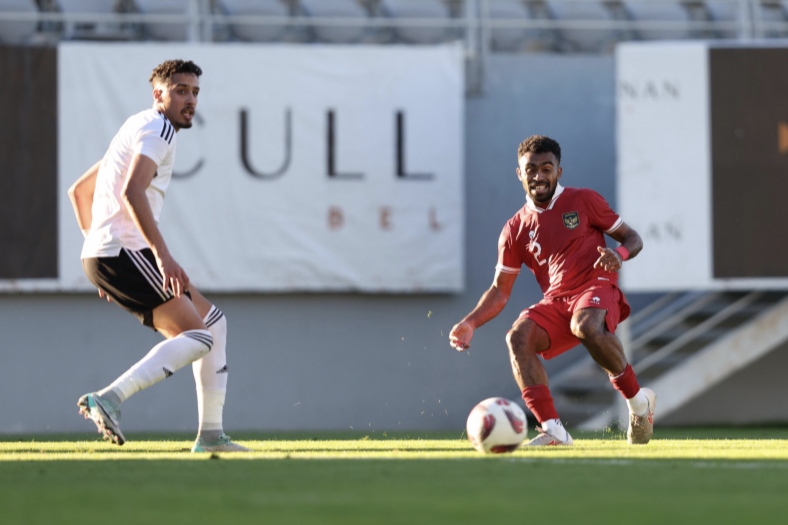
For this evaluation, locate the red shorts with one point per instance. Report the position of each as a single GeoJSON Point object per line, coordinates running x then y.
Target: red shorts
{"type": "Point", "coordinates": [555, 315]}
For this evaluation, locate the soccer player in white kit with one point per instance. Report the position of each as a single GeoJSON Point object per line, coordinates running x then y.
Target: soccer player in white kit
{"type": "Point", "coordinates": [118, 202]}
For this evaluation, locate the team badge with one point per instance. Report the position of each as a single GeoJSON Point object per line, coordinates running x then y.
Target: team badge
{"type": "Point", "coordinates": [571, 220]}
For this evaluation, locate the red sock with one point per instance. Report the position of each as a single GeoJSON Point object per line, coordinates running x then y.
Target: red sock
{"type": "Point", "coordinates": [539, 401]}
{"type": "Point", "coordinates": [626, 383]}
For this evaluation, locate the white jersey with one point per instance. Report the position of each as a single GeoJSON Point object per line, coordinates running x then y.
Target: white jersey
{"type": "Point", "coordinates": [148, 133]}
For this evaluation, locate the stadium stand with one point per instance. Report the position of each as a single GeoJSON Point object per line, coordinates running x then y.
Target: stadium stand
{"type": "Point", "coordinates": [424, 21]}
{"type": "Point", "coordinates": [93, 20]}
{"type": "Point", "coordinates": [258, 20]}
{"type": "Point", "coordinates": [21, 22]}
{"type": "Point", "coordinates": [499, 26]}
{"type": "Point", "coordinates": [590, 29]}
{"type": "Point", "coordinates": [770, 20]}
{"type": "Point", "coordinates": [660, 20]}
{"type": "Point", "coordinates": [172, 19]}
{"type": "Point", "coordinates": [503, 22]}
{"type": "Point", "coordinates": [330, 10]}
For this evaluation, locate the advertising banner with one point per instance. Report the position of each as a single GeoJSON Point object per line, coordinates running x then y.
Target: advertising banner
{"type": "Point", "coordinates": [664, 173]}
{"type": "Point", "coordinates": [702, 139]}
{"type": "Point", "coordinates": [309, 168]}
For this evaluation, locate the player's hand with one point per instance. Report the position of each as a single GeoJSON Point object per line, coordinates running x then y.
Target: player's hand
{"type": "Point", "coordinates": [104, 295]}
{"type": "Point", "coordinates": [460, 336]}
{"type": "Point", "coordinates": [609, 259]}
{"type": "Point", "coordinates": [174, 277]}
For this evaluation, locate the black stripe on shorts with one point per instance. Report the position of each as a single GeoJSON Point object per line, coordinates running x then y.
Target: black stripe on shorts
{"type": "Point", "coordinates": [131, 279]}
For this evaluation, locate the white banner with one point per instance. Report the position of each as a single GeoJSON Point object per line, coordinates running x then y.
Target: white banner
{"type": "Point", "coordinates": [664, 169]}
{"type": "Point", "coordinates": [310, 168]}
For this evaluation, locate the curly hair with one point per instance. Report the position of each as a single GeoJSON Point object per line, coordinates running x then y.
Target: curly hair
{"type": "Point", "coordinates": [164, 71]}
{"type": "Point", "coordinates": [539, 144]}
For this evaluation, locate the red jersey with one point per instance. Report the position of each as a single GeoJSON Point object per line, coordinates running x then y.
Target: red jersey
{"type": "Point", "coordinates": [559, 243]}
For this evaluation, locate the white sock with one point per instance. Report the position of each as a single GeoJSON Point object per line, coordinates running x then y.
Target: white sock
{"type": "Point", "coordinates": [638, 405]}
{"type": "Point", "coordinates": [210, 377]}
{"type": "Point", "coordinates": [554, 427]}
{"type": "Point", "coordinates": [162, 361]}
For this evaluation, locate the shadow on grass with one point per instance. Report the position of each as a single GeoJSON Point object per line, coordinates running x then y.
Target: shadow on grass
{"type": "Point", "coordinates": [709, 433]}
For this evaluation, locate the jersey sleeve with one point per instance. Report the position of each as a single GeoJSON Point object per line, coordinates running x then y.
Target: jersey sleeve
{"type": "Point", "coordinates": [601, 216]}
{"type": "Point", "coordinates": [508, 257]}
{"type": "Point", "coordinates": [152, 142]}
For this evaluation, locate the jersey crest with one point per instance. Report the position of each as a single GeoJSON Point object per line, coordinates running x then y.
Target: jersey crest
{"type": "Point", "coordinates": [571, 220]}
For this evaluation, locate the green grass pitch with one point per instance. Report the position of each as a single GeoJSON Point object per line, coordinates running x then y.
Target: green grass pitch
{"type": "Point", "coordinates": [692, 476]}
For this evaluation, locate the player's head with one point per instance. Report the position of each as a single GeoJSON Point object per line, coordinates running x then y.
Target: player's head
{"type": "Point", "coordinates": [176, 84]}
{"type": "Point", "coordinates": [539, 167]}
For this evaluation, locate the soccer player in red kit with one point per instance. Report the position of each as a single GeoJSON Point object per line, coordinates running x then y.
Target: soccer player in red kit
{"type": "Point", "coordinates": [560, 236]}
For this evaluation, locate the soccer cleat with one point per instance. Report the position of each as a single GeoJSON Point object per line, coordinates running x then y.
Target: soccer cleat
{"type": "Point", "coordinates": [104, 415]}
{"type": "Point", "coordinates": [545, 439]}
{"type": "Point", "coordinates": [223, 444]}
{"type": "Point", "coordinates": [641, 428]}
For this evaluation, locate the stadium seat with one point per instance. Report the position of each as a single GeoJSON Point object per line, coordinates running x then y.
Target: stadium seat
{"type": "Point", "coordinates": [768, 19]}
{"type": "Point", "coordinates": [504, 38]}
{"type": "Point", "coordinates": [337, 9]}
{"type": "Point", "coordinates": [259, 8]}
{"type": "Point", "coordinates": [673, 13]}
{"type": "Point", "coordinates": [725, 13]}
{"type": "Point", "coordinates": [183, 29]}
{"type": "Point", "coordinates": [771, 19]}
{"type": "Point", "coordinates": [427, 10]}
{"type": "Point", "coordinates": [92, 29]}
{"type": "Point", "coordinates": [17, 31]}
{"type": "Point", "coordinates": [596, 37]}
{"type": "Point", "coordinates": [517, 39]}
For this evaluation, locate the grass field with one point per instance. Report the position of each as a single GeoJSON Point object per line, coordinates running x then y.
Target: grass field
{"type": "Point", "coordinates": [683, 476]}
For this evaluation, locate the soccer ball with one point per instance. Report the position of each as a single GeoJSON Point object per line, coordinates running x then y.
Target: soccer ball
{"type": "Point", "coordinates": [496, 425]}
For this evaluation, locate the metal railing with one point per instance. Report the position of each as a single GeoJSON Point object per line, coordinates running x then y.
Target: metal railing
{"type": "Point", "coordinates": [745, 18]}
{"type": "Point", "coordinates": [478, 24]}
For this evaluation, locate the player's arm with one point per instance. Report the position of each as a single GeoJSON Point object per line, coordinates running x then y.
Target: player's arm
{"type": "Point", "coordinates": [490, 305]}
{"type": "Point", "coordinates": [81, 195]}
{"type": "Point", "coordinates": [142, 169]}
{"type": "Point", "coordinates": [611, 259]}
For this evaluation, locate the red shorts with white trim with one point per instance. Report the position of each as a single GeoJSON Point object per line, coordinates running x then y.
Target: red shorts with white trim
{"type": "Point", "coordinates": [555, 315]}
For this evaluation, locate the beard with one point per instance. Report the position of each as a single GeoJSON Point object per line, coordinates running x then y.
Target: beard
{"type": "Point", "coordinates": [542, 197]}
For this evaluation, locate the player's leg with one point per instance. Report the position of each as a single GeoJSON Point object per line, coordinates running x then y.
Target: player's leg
{"type": "Point", "coordinates": [210, 377]}
{"type": "Point", "coordinates": [187, 340]}
{"type": "Point", "coordinates": [132, 280]}
{"type": "Point", "coordinates": [526, 340]}
{"type": "Point", "coordinates": [595, 328]}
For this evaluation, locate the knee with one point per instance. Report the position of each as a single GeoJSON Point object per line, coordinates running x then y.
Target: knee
{"type": "Point", "coordinates": [517, 338]}
{"type": "Point", "coordinates": [207, 340]}
{"type": "Point", "coordinates": [524, 338]}
{"type": "Point", "coordinates": [216, 322]}
{"type": "Point", "coordinates": [201, 342]}
{"type": "Point", "coordinates": [220, 324]}
{"type": "Point", "coordinates": [514, 338]}
{"type": "Point", "coordinates": [585, 330]}
{"type": "Point", "coordinates": [215, 317]}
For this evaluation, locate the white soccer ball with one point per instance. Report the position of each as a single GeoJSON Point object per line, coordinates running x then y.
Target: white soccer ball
{"type": "Point", "coordinates": [496, 425]}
